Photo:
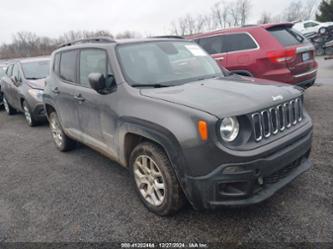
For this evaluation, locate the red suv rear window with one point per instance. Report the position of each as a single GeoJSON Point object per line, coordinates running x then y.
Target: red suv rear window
{"type": "Point", "coordinates": [287, 36]}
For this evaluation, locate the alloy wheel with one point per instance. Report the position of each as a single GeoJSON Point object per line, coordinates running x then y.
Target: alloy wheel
{"type": "Point", "coordinates": [149, 180]}
{"type": "Point", "coordinates": [56, 132]}
{"type": "Point", "coordinates": [5, 103]}
{"type": "Point", "coordinates": [27, 113]}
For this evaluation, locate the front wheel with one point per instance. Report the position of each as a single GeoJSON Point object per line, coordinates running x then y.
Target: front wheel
{"type": "Point", "coordinates": [8, 108]}
{"type": "Point", "coordinates": [155, 180]}
{"type": "Point", "coordinates": [61, 140]}
{"type": "Point", "coordinates": [29, 117]}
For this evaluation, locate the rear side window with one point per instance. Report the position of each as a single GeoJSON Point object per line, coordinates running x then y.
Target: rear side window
{"type": "Point", "coordinates": [310, 24]}
{"type": "Point", "coordinates": [228, 43]}
{"type": "Point", "coordinates": [2, 72]}
{"type": "Point", "coordinates": [238, 42]}
{"type": "Point", "coordinates": [9, 70]}
{"type": "Point", "coordinates": [92, 61]}
{"type": "Point", "coordinates": [16, 72]}
{"type": "Point", "coordinates": [68, 65]}
{"type": "Point", "coordinates": [56, 63]}
{"type": "Point", "coordinates": [212, 45]}
{"type": "Point", "coordinates": [287, 36]}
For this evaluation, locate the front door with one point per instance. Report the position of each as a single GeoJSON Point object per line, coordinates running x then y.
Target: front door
{"type": "Point", "coordinates": [91, 106]}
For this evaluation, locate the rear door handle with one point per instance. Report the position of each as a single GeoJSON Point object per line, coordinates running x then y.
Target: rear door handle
{"type": "Point", "coordinates": [79, 98]}
{"type": "Point", "coordinates": [220, 58]}
{"type": "Point", "coordinates": [56, 90]}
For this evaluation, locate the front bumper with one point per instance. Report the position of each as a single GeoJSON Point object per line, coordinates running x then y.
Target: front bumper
{"type": "Point", "coordinates": [307, 83]}
{"type": "Point", "coordinates": [254, 181]}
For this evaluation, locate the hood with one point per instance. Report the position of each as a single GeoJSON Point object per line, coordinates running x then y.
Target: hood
{"type": "Point", "coordinates": [327, 24]}
{"type": "Point", "coordinates": [226, 96]}
{"type": "Point", "coordinates": [37, 84]}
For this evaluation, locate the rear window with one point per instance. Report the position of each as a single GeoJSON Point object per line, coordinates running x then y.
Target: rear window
{"type": "Point", "coordinates": [227, 43]}
{"type": "Point", "coordinates": [287, 36]}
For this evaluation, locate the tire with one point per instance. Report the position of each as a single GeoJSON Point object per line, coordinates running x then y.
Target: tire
{"type": "Point", "coordinates": [29, 117]}
{"type": "Point", "coordinates": [8, 108]}
{"type": "Point", "coordinates": [1, 101]}
{"type": "Point", "coordinates": [322, 31]}
{"type": "Point", "coordinates": [155, 180]}
{"type": "Point", "coordinates": [61, 140]}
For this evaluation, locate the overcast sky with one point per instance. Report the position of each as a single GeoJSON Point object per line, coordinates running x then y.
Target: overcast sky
{"type": "Point", "coordinates": [54, 17]}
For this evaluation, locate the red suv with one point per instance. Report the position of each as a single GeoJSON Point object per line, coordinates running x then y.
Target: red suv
{"type": "Point", "coordinates": [271, 51]}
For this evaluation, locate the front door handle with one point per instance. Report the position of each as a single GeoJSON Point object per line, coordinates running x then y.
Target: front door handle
{"type": "Point", "coordinates": [79, 98]}
{"type": "Point", "coordinates": [56, 90]}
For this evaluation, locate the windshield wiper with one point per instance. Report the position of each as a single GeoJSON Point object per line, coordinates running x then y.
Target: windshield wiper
{"type": "Point", "coordinates": [33, 78]}
{"type": "Point", "coordinates": [151, 85]}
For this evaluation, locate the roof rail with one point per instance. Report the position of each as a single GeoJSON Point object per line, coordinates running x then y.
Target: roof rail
{"type": "Point", "coordinates": [102, 39]}
{"type": "Point", "coordinates": [168, 36]}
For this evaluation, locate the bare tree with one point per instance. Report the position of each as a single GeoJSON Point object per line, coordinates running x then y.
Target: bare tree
{"type": "Point", "coordinates": [300, 10]}
{"type": "Point", "coordinates": [217, 14]}
{"type": "Point", "coordinates": [234, 14]}
{"type": "Point", "coordinates": [128, 34]}
{"type": "Point", "coordinates": [310, 8]}
{"type": "Point", "coordinates": [244, 7]}
{"type": "Point", "coordinates": [265, 18]}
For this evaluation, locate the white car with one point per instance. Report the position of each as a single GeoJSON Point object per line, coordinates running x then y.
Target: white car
{"type": "Point", "coordinates": [312, 26]}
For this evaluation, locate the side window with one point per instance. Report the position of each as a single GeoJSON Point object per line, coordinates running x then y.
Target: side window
{"type": "Point", "coordinates": [92, 61]}
{"type": "Point", "coordinates": [238, 42]}
{"type": "Point", "coordinates": [16, 72]}
{"type": "Point", "coordinates": [68, 65]}
{"type": "Point", "coordinates": [9, 70]}
{"type": "Point", "coordinates": [310, 24]}
{"type": "Point", "coordinates": [212, 45]}
{"type": "Point", "coordinates": [56, 63]}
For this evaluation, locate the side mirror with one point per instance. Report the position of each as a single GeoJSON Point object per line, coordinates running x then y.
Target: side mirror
{"type": "Point", "coordinates": [97, 82]}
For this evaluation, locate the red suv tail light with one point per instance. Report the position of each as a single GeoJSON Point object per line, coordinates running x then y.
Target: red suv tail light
{"type": "Point", "coordinates": [282, 56]}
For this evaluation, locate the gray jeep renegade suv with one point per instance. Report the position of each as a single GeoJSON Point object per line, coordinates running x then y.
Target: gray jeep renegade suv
{"type": "Point", "coordinates": [185, 129]}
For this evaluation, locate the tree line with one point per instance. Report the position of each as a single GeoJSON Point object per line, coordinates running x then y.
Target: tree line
{"type": "Point", "coordinates": [28, 44]}
{"type": "Point", "coordinates": [235, 13]}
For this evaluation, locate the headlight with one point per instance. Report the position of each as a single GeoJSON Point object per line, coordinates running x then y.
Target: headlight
{"type": "Point", "coordinates": [37, 94]}
{"type": "Point", "coordinates": [229, 129]}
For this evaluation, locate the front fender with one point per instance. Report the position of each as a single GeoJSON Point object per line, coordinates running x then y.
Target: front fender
{"type": "Point", "coordinates": [161, 136]}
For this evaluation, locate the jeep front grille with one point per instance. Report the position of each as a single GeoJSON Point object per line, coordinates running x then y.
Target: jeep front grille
{"type": "Point", "coordinates": [277, 119]}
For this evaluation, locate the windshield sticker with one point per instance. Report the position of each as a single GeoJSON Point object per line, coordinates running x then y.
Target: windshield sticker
{"type": "Point", "coordinates": [196, 50]}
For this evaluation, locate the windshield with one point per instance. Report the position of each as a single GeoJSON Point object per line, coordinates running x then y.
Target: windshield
{"type": "Point", "coordinates": [36, 70]}
{"type": "Point", "coordinates": [165, 63]}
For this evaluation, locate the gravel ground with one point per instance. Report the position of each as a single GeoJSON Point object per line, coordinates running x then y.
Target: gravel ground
{"type": "Point", "coordinates": [49, 196]}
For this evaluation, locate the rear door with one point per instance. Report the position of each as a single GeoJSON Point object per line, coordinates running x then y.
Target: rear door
{"type": "Point", "coordinates": [6, 82]}
{"type": "Point", "coordinates": [16, 82]}
{"type": "Point", "coordinates": [64, 92]}
{"type": "Point", "coordinates": [299, 52]}
{"type": "Point", "coordinates": [214, 46]}
{"type": "Point", "coordinates": [241, 52]}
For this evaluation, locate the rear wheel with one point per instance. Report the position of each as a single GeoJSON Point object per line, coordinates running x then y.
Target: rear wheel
{"type": "Point", "coordinates": [155, 180]}
{"type": "Point", "coordinates": [29, 117]}
{"type": "Point", "coordinates": [61, 140]}
{"type": "Point", "coordinates": [8, 108]}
